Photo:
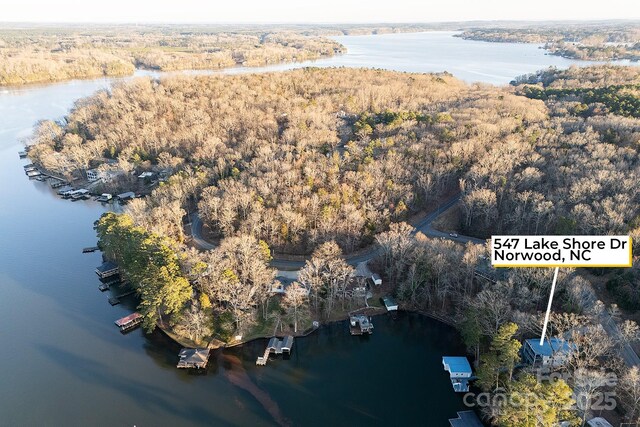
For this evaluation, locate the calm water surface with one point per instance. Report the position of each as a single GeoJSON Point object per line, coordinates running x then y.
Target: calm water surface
{"type": "Point", "coordinates": [63, 362]}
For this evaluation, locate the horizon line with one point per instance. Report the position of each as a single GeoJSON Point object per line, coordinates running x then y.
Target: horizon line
{"type": "Point", "coordinates": [321, 23]}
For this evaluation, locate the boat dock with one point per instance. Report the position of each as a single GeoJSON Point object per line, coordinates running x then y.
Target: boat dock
{"type": "Point", "coordinates": [276, 346]}
{"type": "Point", "coordinates": [193, 358]}
{"type": "Point", "coordinates": [104, 198]}
{"type": "Point", "coordinates": [359, 324]}
{"type": "Point", "coordinates": [56, 183]}
{"type": "Point", "coordinates": [115, 300]}
{"type": "Point", "coordinates": [129, 322]}
{"type": "Point", "coordinates": [33, 173]}
{"type": "Point", "coordinates": [80, 194]}
{"type": "Point", "coordinates": [107, 269]}
{"type": "Point", "coordinates": [90, 249]}
{"type": "Point", "coordinates": [460, 372]}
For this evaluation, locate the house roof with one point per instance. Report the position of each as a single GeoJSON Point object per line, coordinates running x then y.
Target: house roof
{"type": "Point", "coordinates": [127, 319]}
{"type": "Point", "coordinates": [598, 422]}
{"type": "Point", "coordinates": [106, 266]}
{"type": "Point", "coordinates": [456, 364]}
{"type": "Point", "coordinates": [127, 195]}
{"type": "Point", "coordinates": [549, 347]}
{"type": "Point", "coordinates": [389, 301]}
{"type": "Point", "coordinates": [194, 355]}
{"type": "Point", "coordinates": [466, 419]}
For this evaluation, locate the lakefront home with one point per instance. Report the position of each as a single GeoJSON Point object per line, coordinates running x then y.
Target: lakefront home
{"type": "Point", "coordinates": [552, 353]}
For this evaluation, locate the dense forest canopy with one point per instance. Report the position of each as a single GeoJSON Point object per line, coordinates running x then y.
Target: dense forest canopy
{"type": "Point", "coordinates": [50, 54]}
{"type": "Point", "coordinates": [294, 158]}
{"type": "Point", "coordinates": [577, 173]}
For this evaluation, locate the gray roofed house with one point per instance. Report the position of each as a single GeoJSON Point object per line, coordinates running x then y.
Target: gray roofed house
{"type": "Point", "coordinates": [552, 352]}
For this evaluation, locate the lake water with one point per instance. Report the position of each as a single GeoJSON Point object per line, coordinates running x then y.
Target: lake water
{"type": "Point", "coordinates": [63, 361]}
{"type": "Point", "coordinates": [437, 51]}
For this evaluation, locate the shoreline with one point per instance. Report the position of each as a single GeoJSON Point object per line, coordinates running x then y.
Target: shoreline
{"type": "Point", "coordinates": [374, 312]}
{"type": "Point", "coordinates": [147, 72]}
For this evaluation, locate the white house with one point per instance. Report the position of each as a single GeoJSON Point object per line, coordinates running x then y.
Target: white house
{"type": "Point", "coordinates": [376, 279]}
{"type": "Point", "coordinates": [105, 175]}
{"type": "Point", "coordinates": [144, 175]}
{"type": "Point", "coordinates": [93, 175]}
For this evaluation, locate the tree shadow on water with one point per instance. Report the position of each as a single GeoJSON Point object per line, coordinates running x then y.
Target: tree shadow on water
{"type": "Point", "coordinates": [153, 399]}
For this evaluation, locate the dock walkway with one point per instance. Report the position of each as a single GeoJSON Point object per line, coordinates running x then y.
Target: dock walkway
{"type": "Point", "coordinates": [115, 300]}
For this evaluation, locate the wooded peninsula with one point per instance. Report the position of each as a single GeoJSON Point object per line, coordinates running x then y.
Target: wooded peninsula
{"type": "Point", "coordinates": [48, 53]}
{"type": "Point", "coordinates": [601, 41]}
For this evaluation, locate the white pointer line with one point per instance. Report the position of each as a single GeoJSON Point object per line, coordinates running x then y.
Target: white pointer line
{"type": "Point", "coordinates": [546, 317]}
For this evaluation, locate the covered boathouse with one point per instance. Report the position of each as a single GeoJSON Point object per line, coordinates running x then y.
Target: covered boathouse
{"type": "Point", "coordinates": [359, 324]}
{"type": "Point", "coordinates": [194, 358]}
{"type": "Point", "coordinates": [459, 371]}
{"type": "Point", "coordinates": [276, 346]}
{"type": "Point", "coordinates": [129, 322]}
{"type": "Point", "coordinates": [107, 269]}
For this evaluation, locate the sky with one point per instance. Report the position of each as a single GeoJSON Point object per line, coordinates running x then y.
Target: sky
{"type": "Point", "coordinates": [305, 11]}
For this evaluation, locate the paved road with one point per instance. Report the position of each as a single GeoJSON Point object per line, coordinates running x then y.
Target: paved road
{"type": "Point", "coordinates": [628, 354]}
{"type": "Point", "coordinates": [424, 226]}
{"type": "Point", "coordinates": [196, 233]}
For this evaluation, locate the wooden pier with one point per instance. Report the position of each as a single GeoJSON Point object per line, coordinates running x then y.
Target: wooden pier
{"type": "Point", "coordinates": [115, 300]}
{"type": "Point", "coordinates": [262, 360]}
{"type": "Point", "coordinates": [276, 346]}
{"type": "Point", "coordinates": [90, 249]}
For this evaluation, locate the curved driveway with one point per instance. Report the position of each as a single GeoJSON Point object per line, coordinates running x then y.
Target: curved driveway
{"type": "Point", "coordinates": [423, 226]}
